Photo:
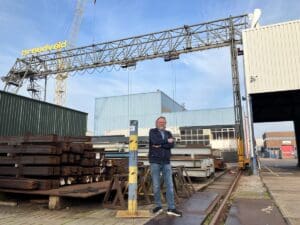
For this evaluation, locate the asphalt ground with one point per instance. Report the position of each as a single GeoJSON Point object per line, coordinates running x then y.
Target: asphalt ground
{"type": "Point", "coordinates": [281, 177]}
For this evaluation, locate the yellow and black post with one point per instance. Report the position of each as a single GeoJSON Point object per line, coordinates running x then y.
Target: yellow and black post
{"type": "Point", "coordinates": [133, 176]}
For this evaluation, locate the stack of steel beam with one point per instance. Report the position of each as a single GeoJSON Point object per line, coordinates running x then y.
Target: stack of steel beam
{"type": "Point", "coordinates": [46, 162]}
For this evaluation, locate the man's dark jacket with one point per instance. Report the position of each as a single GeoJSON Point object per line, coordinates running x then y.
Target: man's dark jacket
{"type": "Point", "coordinates": [162, 154]}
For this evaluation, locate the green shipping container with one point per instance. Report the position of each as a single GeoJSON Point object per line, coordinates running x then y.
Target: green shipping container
{"type": "Point", "coordinates": [21, 115]}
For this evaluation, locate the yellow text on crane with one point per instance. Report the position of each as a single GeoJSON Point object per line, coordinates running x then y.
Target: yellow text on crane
{"type": "Point", "coordinates": [47, 47]}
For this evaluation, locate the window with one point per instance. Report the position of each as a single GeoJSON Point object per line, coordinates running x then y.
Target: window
{"type": "Point", "coordinates": [231, 135]}
{"type": "Point", "coordinates": [223, 133]}
{"type": "Point", "coordinates": [194, 136]}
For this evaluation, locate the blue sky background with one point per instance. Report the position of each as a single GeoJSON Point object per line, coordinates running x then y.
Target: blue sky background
{"type": "Point", "coordinates": [203, 79]}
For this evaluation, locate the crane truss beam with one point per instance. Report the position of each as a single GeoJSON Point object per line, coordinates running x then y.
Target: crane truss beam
{"type": "Point", "coordinates": [168, 44]}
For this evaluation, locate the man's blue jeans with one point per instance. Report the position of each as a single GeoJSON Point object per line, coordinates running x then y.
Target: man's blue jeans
{"type": "Point", "coordinates": [166, 170]}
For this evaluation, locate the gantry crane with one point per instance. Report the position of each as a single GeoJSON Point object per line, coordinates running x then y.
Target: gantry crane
{"type": "Point", "coordinates": [168, 44]}
{"type": "Point", "coordinates": [61, 78]}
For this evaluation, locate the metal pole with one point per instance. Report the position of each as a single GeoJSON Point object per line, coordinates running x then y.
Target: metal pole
{"type": "Point", "coordinates": [133, 171]}
{"type": "Point", "coordinates": [297, 135]}
{"type": "Point", "coordinates": [251, 136]}
{"type": "Point", "coordinates": [133, 211]}
{"type": "Point", "coordinates": [45, 88]}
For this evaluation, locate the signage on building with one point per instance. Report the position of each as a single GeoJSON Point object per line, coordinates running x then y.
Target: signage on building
{"type": "Point", "coordinates": [47, 47]}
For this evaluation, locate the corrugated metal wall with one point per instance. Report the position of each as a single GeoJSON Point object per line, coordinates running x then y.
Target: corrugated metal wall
{"type": "Point", "coordinates": [272, 57]}
{"type": "Point", "coordinates": [204, 117]}
{"type": "Point", "coordinates": [20, 115]}
{"type": "Point", "coordinates": [169, 105]}
{"type": "Point", "coordinates": [111, 113]}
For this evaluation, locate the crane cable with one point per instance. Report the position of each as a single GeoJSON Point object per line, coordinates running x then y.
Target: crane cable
{"type": "Point", "coordinates": [174, 87]}
{"type": "Point", "coordinates": [129, 88]}
{"type": "Point", "coordinates": [128, 93]}
{"type": "Point", "coordinates": [94, 22]}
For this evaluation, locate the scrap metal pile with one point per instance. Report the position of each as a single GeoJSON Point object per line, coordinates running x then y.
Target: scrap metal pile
{"type": "Point", "coordinates": [47, 162]}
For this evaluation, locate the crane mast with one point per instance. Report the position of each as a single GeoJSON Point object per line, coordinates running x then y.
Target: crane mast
{"type": "Point", "coordinates": [61, 78]}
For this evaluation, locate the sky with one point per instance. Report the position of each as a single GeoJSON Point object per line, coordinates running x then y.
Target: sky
{"type": "Point", "coordinates": [198, 80]}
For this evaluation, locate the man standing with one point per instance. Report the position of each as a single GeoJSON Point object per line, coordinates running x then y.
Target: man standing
{"type": "Point", "coordinates": [160, 143]}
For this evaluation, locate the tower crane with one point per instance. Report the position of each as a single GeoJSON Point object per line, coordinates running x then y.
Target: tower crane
{"type": "Point", "coordinates": [61, 78]}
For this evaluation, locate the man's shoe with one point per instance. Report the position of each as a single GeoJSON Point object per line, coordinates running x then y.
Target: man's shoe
{"type": "Point", "coordinates": [174, 212]}
{"type": "Point", "coordinates": [157, 210]}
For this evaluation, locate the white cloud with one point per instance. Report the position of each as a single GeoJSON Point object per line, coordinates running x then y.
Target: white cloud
{"type": "Point", "coordinates": [209, 83]}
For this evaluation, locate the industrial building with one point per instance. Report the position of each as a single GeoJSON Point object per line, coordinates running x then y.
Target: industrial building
{"type": "Point", "coordinates": [279, 144]}
{"type": "Point", "coordinates": [208, 127]}
{"type": "Point", "coordinates": [271, 59]}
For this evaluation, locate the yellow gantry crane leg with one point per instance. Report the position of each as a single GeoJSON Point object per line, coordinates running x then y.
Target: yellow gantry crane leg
{"type": "Point", "coordinates": [243, 161]}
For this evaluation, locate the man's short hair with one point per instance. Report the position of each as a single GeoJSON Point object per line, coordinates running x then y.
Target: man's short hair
{"type": "Point", "coordinates": [161, 117]}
